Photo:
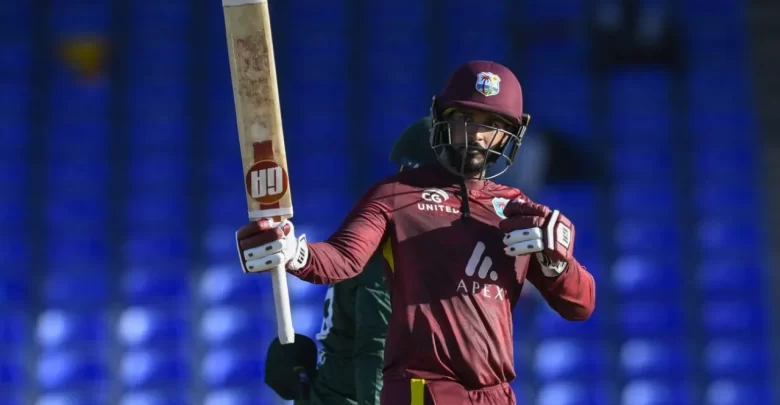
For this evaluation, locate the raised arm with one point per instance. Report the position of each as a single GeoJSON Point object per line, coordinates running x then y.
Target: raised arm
{"type": "Point", "coordinates": [264, 245]}
{"type": "Point", "coordinates": [346, 252]}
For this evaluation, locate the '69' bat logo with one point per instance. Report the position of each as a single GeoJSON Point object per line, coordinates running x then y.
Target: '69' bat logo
{"type": "Point", "coordinates": [266, 182]}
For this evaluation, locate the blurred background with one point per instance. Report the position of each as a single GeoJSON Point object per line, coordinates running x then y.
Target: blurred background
{"type": "Point", "coordinates": [122, 185]}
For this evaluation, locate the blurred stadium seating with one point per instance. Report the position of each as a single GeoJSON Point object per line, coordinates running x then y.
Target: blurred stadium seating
{"type": "Point", "coordinates": [133, 296]}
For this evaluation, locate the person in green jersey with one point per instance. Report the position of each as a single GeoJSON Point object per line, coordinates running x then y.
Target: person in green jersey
{"type": "Point", "coordinates": [356, 312]}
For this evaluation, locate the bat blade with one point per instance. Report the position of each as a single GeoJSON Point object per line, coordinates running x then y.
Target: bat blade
{"type": "Point", "coordinates": [259, 119]}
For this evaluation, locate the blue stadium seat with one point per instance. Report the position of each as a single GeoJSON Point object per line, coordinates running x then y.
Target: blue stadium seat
{"type": "Point", "coordinates": [544, 12]}
{"type": "Point", "coordinates": [559, 359]}
{"type": "Point", "coordinates": [76, 140]}
{"type": "Point", "coordinates": [14, 101]}
{"type": "Point", "coordinates": [237, 396]}
{"type": "Point", "coordinates": [639, 89]}
{"type": "Point", "coordinates": [14, 135]}
{"type": "Point", "coordinates": [549, 324]}
{"type": "Point", "coordinates": [567, 112]}
{"type": "Point", "coordinates": [228, 209]}
{"type": "Point", "coordinates": [88, 212]}
{"type": "Point", "coordinates": [716, 88]}
{"type": "Point", "coordinates": [148, 326]}
{"type": "Point", "coordinates": [14, 329]}
{"type": "Point", "coordinates": [726, 358]}
{"type": "Point", "coordinates": [308, 316]}
{"type": "Point", "coordinates": [87, 251]}
{"type": "Point", "coordinates": [15, 19]}
{"type": "Point", "coordinates": [648, 319]}
{"type": "Point", "coordinates": [647, 358]}
{"type": "Point", "coordinates": [164, 133]}
{"type": "Point", "coordinates": [224, 325]}
{"type": "Point", "coordinates": [165, 247]}
{"type": "Point", "coordinates": [636, 275]}
{"type": "Point", "coordinates": [154, 397]}
{"type": "Point", "coordinates": [159, 97]}
{"type": "Point", "coordinates": [643, 162]}
{"type": "Point", "coordinates": [715, 128]}
{"type": "Point", "coordinates": [647, 236]}
{"type": "Point", "coordinates": [745, 317]}
{"type": "Point", "coordinates": [15, 289]}
{"type": "Point", "coordinates": [72, 102]}
{"type": "Point", "coordinates": [141, 286]}
{"type": "Point", "coordinates": [222, 134]}
{"type": "Point", "coordinates": [81, 177]}
{"type": "Point", "coordinates": [730, 276]}
{"type": "Point", "coordinates": [88, 17]}
{"type": "Point", "coordinates": [712, 198]}
{"type": "Point", "coordinates": [576, 200]}
{"type": "Point", "coordinates": [13, 174]}
{"type": "Point", "coordinates": [60, 329]}
{"type": "Point", "coordinates": [14, 250]}
{"type": "Point", "coordinates": [221, 284]}
{"type": "Point", "coordinates": [159, 179]}
{"type": "Point", "coordinates": [219, 244]}
{"type": "Point", "coordinates": [142, 369]}
{"type": "Point", "coordinates": [71, 369]}
{"type": "Point", "coordinates": [738, 392]}
{"type": "Point", "coordinates": [646, 200]}
{"type": "Point", "coordinates": [74, 287]}
{"type": "Point", "coordinates": [161, 59]}
{"type": "Point", "coordinates": [641, 126]}
{"type": "Point", "coordinates": [73, 397]}
{"type": "Point", "coordinates": [655, 392]}
{"type": "Point", "coordinates": [571, 393]}
{"type": "Point", "coordinates": [738, 161]}
{"type": "Point", "coordinates": [728, 234]}
{"type": "Point", "coordinates": [222, 170]}
{"type": "Point", "coordinates": [230, 367]}
{"type": "Point", "coordinates": [12, 372]}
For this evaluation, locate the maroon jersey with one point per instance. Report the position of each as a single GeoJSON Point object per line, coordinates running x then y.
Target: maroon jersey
{"type": "Point", "coordinates": [452, 286]}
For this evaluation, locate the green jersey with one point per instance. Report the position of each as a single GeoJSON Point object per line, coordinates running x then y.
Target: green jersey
{"type": "Point", "coordinates": [354, 326]}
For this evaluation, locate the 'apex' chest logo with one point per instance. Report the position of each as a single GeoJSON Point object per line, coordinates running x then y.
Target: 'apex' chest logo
{"type": "Point", "coordinates": [480, 265]}
{"type": "Point", "coordinates": [433, 199]}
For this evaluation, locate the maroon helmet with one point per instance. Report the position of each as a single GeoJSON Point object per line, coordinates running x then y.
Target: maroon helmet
{"type": "Point", "coordinates": [483, 86]}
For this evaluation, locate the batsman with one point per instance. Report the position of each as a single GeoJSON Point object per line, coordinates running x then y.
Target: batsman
{"type": "Point", "coordinates": [457, 246]}
{"type": "Point", "coordinates": [354, 325]}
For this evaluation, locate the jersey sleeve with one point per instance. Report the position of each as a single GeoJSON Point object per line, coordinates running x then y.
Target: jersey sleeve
{"type": "Point", "coordinates": [372, 313]}
{"type": "Point", "coordinates": [572, 294]}
{"type": "Point", "coordinates": [347, 251]}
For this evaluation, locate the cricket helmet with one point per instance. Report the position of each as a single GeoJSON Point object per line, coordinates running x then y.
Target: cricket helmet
{"type": "Point", "coordinates": [412, 149]}
{"type": "Point", "coordinates": [483, 86]}
{"type": "Point", "coordinates": [291, 369]}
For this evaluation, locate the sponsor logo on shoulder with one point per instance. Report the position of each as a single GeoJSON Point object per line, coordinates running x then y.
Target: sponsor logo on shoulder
{"type": "Point", "coordinates": [499, 204]}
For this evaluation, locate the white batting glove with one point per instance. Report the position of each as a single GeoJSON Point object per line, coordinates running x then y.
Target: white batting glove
{"type": "Point", "coordinates": [264, 245]}
{"type": "Point", "coordinates": [534, 228]}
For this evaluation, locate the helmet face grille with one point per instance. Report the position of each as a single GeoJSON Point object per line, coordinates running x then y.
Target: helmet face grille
{"type": "Point", "coordinates": [453, 156]}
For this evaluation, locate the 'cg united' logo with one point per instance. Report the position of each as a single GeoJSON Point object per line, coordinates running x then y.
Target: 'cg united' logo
{"type": "Point", "coordinates": [488, 84]}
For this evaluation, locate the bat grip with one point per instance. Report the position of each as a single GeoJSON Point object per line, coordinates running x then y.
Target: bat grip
{"type": "Point", "coordinates": [284, 324]}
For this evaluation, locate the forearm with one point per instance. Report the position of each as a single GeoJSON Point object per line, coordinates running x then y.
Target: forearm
{"type": "Point", "coordinates": [328, 264]}
{"type": "Point", "coordinates": [572, 294]}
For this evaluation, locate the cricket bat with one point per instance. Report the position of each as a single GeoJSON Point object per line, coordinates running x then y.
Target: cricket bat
{"type": "Point", "coordinates": [259, 117]}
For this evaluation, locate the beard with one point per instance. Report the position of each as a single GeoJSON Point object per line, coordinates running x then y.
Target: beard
{"type": "Point", "coordinates": [473, 164]}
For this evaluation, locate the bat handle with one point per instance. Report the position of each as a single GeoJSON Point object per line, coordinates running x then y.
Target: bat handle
{"type": "Point", "coordinates": [284, 324]}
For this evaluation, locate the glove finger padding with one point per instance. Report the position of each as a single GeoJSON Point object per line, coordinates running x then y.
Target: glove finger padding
{"type": "Point", "coordinates": [264, 245]}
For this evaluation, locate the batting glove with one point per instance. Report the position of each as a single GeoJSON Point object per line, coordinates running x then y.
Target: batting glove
{"type": "Point", "coordinates": [264, 245]}
{"type": "Point", "coordinates": [534, 228]}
